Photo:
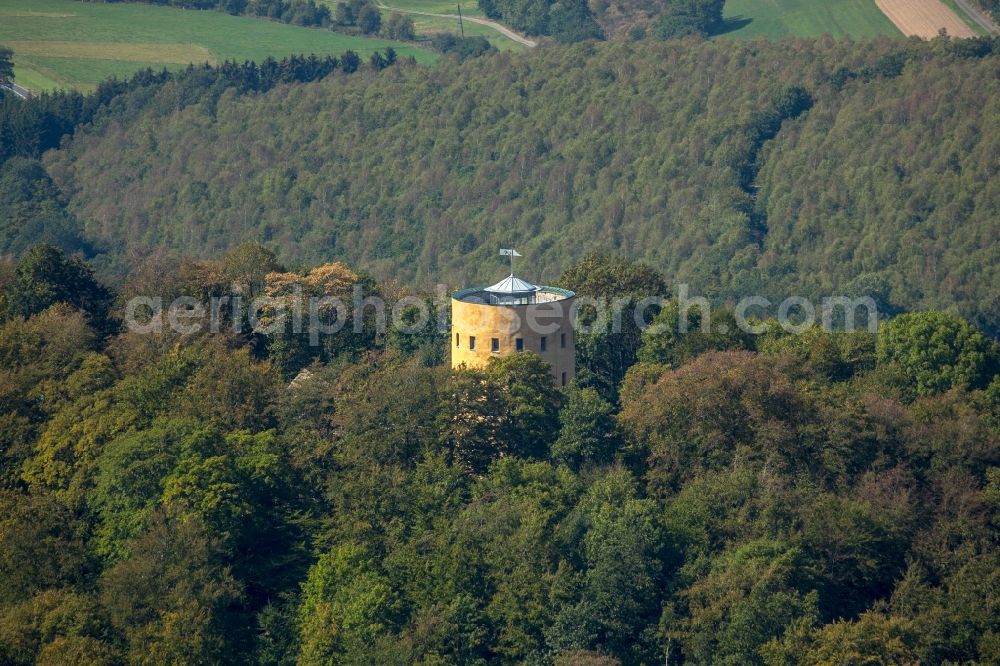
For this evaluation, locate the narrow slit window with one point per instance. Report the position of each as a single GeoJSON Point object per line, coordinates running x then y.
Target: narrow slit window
{"type": "Point", "coordinates": [562, 340]}
{"type": "Point", "coordinates": [564, 379]}
{"type": "Point", "coordinates": [495, 345]}
{"type": "Point", "coordinates": [520, 344]}
{"type": "Point", "coordinates": [456, 340]}
{"type": "Point", "coordinates": [544, 343]}
{"type": "Point", "coordinates": [472, 342]}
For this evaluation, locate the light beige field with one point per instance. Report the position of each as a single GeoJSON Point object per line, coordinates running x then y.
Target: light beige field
{"type": "Point", "coordinates": [136, 51]}
{"type": "Point", "coordinates": [924, 18]}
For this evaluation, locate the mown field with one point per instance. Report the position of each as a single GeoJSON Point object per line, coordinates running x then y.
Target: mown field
{"type": "Point", "coordinates": [774, 19]}
{"type": "Point", "coordinates": [68, 44]}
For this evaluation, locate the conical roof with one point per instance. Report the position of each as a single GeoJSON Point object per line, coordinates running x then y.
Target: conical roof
{"type": "Point", "coordinates": [512, 285]}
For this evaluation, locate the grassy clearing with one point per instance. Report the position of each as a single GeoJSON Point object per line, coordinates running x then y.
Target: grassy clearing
{"type": "Point", "coordinates": [775, 19]}
{"type": "Point", "coordinates": [426, 26]}
{"type": "Point", "coordinates": [69, 44]}
{"type": "Point", "coordinates": [431, 25]}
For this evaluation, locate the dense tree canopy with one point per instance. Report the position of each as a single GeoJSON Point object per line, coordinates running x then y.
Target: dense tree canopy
{"type": "Point", "coordinates": [936, 351]}
{"type": "Point", "coordinates": [566, 20]}
{"type": "Point", "coordinates": [33, 210]}
{"type": "Point", "coordinates": [711, 179]}
{"type": "Point", "coordinates": [766, 499]}
{"type": "Point", "coordinates": [688, 17]}
{"type": "Point", "coordinates": [45, 276]}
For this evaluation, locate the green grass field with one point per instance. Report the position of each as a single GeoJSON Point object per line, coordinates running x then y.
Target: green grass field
{"type": "Point", "coordinates": [70, 44]}
{"type": "Point", "coordinates": [469, 7]}
{"type": "Point", "coordinates": [774, 19]}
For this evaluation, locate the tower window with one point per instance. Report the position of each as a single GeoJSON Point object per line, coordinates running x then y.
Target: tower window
{"type": "Point", "coordinates": [456, 339]}
{"type": "Point", "coordinates": [564, 379]}
{"type": "Point", "coordinates": [519, 343]}
{"type": "Point", "coordinates": [472, 342]}
{"type": "Point", "coordinates": [562, 340]}
{"type": "Point", "coordinates": [495, 345]}
{"type": "Point", "coordinates": [544, 343]}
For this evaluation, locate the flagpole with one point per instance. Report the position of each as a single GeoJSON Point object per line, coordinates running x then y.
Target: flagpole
{"type": "Point", "coordinates": [509, 252]}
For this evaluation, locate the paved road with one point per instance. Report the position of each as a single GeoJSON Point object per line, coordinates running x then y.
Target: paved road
{"type": "Point", "coordinates": [20, 91]}
{"type": "Point", "coordinates": [978, 16]}
{"type": "Point", "coordinates": [502, 29]}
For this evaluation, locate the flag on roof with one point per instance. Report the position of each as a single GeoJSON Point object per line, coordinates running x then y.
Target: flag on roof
{"type": "Point", "coordinates": [509, 253]}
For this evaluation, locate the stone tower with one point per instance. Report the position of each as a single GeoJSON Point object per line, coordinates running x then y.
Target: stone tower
{"type": "Point", "coordinates": [513, 316]}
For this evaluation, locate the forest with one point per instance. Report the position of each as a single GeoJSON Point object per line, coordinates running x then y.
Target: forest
{"type": "Point", "coordinates": [770, 168]}
{"type": "Point", "coordinates": [32, 208]}
{"type": "Point", "coordinates": [702, 498]}
{"type": "Point", "coordinates": [697, 495]}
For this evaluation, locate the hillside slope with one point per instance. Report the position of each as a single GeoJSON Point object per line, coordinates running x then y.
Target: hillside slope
{"type": "Point", "coordinates": [652, 150]}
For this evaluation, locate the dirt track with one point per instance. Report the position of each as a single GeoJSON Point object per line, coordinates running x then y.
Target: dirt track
{"type": "Point", "coordinates": [979, 16]}
{"type": "Point", "coordinates": [924, 18]}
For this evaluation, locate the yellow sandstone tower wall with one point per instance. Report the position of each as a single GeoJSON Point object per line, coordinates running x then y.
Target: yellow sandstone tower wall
{"type": "Point", "coordinates": [506, 324]}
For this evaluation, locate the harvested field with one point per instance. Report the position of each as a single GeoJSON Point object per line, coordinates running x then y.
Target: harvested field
{"type": "Point", "coordinates": [924, 18]}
